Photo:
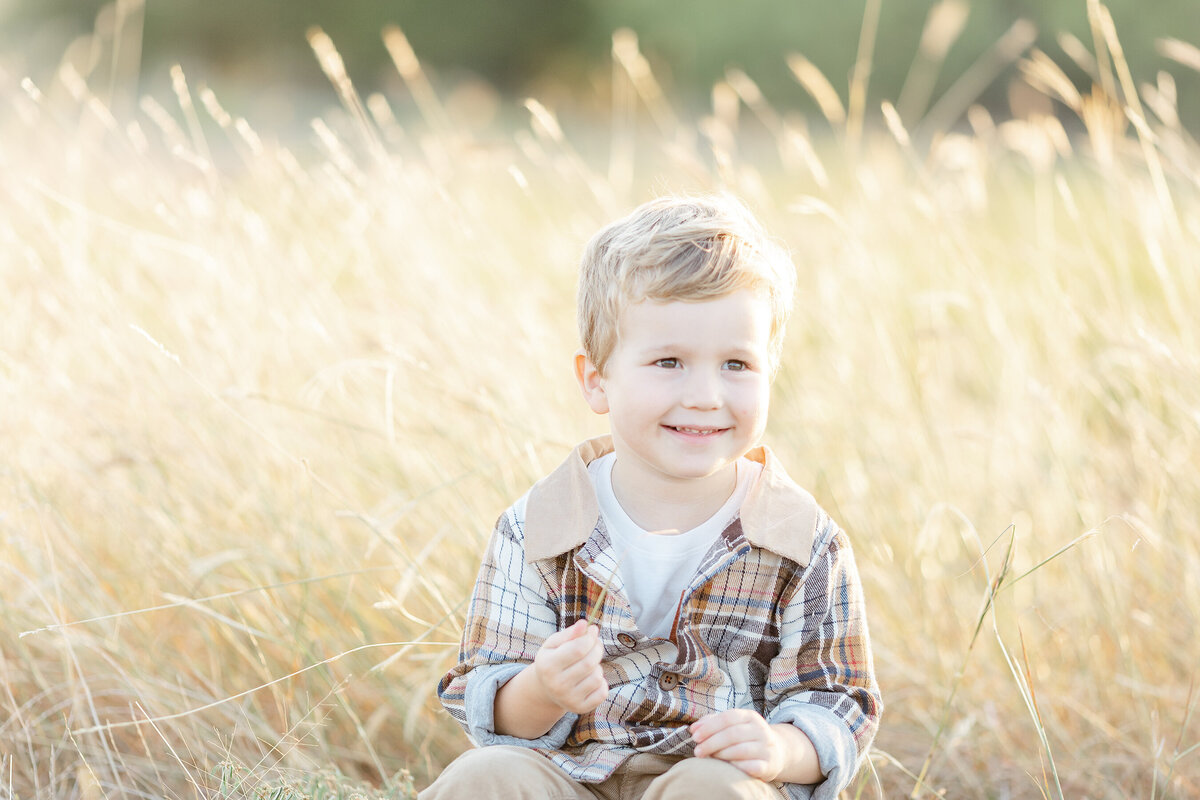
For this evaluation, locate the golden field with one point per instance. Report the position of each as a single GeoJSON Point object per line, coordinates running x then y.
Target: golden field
{"type": "Point", "coordinates": [260, 408]}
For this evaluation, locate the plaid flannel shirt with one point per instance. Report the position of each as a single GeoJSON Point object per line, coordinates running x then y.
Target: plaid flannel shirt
{"type": "Point", "coordinates": [773, 620]}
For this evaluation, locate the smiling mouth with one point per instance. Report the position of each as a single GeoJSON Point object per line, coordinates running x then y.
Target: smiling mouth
{"type": "Point", "coordinates": [694, 431]}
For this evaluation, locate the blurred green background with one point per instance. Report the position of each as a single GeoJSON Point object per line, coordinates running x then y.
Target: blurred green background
{"type": "Point", "coordinates": [558, 50]}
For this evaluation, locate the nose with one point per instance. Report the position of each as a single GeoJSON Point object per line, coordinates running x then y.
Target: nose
{"type": "Point", "coordinates": [702, 390]}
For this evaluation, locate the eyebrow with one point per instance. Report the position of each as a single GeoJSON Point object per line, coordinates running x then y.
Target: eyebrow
{"type": "Point", "coordinates": [740, 351]}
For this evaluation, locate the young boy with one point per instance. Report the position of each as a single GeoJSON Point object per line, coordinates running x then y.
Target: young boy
{"type": "Point", "coordinates": [667, 614]}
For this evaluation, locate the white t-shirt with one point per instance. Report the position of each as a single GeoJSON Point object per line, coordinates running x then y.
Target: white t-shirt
{"type": "Point", "coordinates": [657, 568]}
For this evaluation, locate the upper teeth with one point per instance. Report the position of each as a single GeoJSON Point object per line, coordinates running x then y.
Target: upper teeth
{"type": "Point", "coordinates": [695, 430]}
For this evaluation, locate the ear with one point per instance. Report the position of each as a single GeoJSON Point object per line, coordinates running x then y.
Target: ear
{"type": "Point", "coordinates": [591, 383]}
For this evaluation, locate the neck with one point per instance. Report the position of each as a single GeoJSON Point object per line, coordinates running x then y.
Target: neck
{"type": "Point", "coordinates": [662, 505]}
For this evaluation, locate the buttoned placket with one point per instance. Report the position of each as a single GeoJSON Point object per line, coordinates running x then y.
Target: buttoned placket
{"type": "Point", "coordinates": [724, 562]}
{"type": "Point", "coordinates": [668, 678]}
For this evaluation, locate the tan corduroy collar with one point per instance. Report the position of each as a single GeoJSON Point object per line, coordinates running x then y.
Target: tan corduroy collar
{"type": "Point", "coordinates": [562, 509]}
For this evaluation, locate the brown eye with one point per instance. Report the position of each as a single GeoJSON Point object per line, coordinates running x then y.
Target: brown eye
{"type": "Point", "coordinates": [736, 366]}
{"type": "Point", "coordinates": [667, 363]}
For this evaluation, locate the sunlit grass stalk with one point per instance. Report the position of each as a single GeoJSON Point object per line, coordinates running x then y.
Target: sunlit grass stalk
{"type": "Point", "coordinates": [943, 26]}
{"type": "Point", "coordinates": [409, 67]}
{"type": "Point", "coordinates": [335, 69]}
{"type": "Point", "coordinates": [147, 719]}
{"type": "Point", "coordinates": [1024, 684]}
{"type": "Point", "coordinates": [627, 54]}
{"type": "Point", "coordinates": [971, 83]}
{"type": "Point", "coordinates": [994, 585]}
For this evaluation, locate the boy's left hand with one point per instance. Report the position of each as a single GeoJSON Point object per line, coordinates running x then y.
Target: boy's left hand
{"type": "Point", "coordinates": [743, 738]}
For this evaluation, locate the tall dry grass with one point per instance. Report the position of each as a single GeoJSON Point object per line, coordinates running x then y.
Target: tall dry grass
{"type": "Point", "coordinates": [258, 411]}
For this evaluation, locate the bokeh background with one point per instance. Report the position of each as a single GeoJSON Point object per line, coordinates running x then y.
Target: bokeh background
{"type": "Point", "coordinates": [254, 53]}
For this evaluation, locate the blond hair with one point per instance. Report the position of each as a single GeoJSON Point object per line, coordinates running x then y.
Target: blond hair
{"type": "Point", "coordinates": [679, 248]}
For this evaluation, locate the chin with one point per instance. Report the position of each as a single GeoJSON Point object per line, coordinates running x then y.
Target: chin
{"type": "Point", "coordinates": [701, 472]}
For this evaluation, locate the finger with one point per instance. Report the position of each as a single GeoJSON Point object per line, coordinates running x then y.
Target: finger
{"type": "Point", "coordinates": [593, 649]}
{"type": "Point", "coordinates": [595, 653]}
{"type": "Point", "coordinates": [739, 751]}
{"type": "Point", "coordinates": [750, 723]}
{"type": "Point", "coordinates": [591, 695]}
{"type": "Point", "coordinates": [711, 724]}
{"type": "Point", "coordinates": [583, 664]}
{"type": "Point", "coordinates": [716, 721]}
{"type": "Point", "coordinates": [581, 672]}
{"type": "Point", "coordinates": [597, 696]}
{"type": "Point", "coordinates": [561, 637]}
{"type": "Point", "coordinates": [714, 742]}
{"type": "Point", "coordinates": [570, 660]}
{"type": "Point", "coordinates": [577, 651]}
{"type": "Point", "coordinates": [565, 655]}
{"type": "Point", "coordinates": [755, 768]}
{"type": "Point", "coordinates": [733, 716]}
{"type": "Point", "coordinates": [583, 695]}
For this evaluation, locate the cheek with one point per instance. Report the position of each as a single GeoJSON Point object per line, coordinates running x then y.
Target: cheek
{"type": "Point", "coordinates": [753, 401]}
{"type": "Point", "coordinates": [641, 405]}
{"type": "Point", "coordinates": [650, 395]}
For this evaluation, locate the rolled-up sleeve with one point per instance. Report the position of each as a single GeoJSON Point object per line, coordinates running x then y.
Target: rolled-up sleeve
{"type": "Point", "coordinates": [823, 679]}
{"type": "Point", "coordinates": [509, 617]}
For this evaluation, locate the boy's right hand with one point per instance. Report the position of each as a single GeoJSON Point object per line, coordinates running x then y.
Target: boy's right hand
{"type": "Point", "coordinates": [568, 668]}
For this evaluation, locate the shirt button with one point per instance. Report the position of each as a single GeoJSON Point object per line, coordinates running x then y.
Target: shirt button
{"type": "Point", "coordinates": [668, 681]}
{"type": "Point", "coordinates": [626, 640]}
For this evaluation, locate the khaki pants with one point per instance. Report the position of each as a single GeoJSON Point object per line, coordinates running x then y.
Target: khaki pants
{"type": "Point", "coordinates": [515, 773]}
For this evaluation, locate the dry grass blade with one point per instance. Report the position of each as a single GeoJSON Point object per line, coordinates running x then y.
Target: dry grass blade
{"type": "Point", "coordinates": [1030, 699]}
{"type": "Point", "coordinates": [1044, 75]}
{"type": "Point", "coordinates": [597, 611]}
{"type": "Point", "coordinates": [753, 97]}
{"type": "Point", "coordinates": [335, 69]}
{"type": "Point", "coordinates": [943, 26]}
{"type": "Point", "coordinates": [1163, 99]}
{"type": "Point", "coordinates": [406, 62]}
{"type": "Point", "coordinates": [627, 54]}
{"type": "Point", "coordinates": [1179, 51]}
{"type": "Point", "coordinates": [544, 121]}
{"type": "Point", "coordinates": [126, 61]}
{"type": "Point", "coordinates": [154, 720]}
{"type": "Point", "coordinates": [1137, 115]}
{"type": "Point", "coordinates": [1078, 540]}
{"type": "Point", "coordinates": [199, 142]}
{"type": "Point", "coordinates": [976, 78]}
{"type": "Point", "coordinates": [1178, 754]}
{"type": "Point", "coordinates": [818, 87]}
{"type": "Point", "coordinates": [860, 77]}
{"type": "Point", "coordinates": [895, 125]}
{"type": "Point", "coordinates": [986, 609]}
{"type": "Point", "coordinates": [194, 601]}
{"type": "Point", "coordinates": [1078, 52]}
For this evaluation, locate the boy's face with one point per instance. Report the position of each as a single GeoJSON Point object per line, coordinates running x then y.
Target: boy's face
{"type": "Point", "coordinates": [686, 388]}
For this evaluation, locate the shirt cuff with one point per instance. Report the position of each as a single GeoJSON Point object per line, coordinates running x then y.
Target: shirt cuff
{"type": "Point", "coordinates": [480, 707]}
{"type": "Point", "coordinates": [836, 751]}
